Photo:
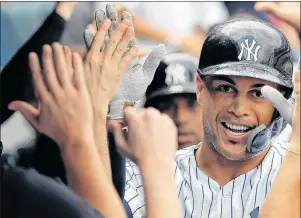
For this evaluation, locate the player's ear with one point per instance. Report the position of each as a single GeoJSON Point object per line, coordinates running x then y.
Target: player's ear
{"type": "Point", "coordinates": [200, 85]}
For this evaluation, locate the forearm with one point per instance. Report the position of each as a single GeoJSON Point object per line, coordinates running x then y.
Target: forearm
{"type": "Point", "coordinates": [191, 44]}
{"type": "Point", "coordinates": [283, 200]}
{"type": "Point", "coordinates": [159, 187]}
{"type": "Point", "coordinates": [146, 30]}
{"type": "Point", "coordinates": [296, 21]}
{"type": "Point", "coordinates": [118, 166]}
{"type": "Point", "coordinates": [101, 140]}
{"type": "Point", "coordinates": [86, 176]}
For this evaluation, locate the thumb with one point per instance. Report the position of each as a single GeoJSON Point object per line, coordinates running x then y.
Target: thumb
{"type": "Point", "coordinates": [153, 60]}
{"type": "Point", "coordinates": [27, 110]}
{"type": "Point", "coordinates": [121, 143]}
{"type": "Point", "coordinates": [279, 102]}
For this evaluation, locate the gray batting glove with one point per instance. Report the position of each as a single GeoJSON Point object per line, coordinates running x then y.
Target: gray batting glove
{"type": "Point", "coordinates": [134, 83]}
{"type": "Point", "coordinates": [136, 77]}
{"type": "Point", "coordinates": [284, 106]}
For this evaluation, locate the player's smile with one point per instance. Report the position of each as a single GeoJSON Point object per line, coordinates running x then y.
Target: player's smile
{"type": "Point", "coordinates": [235, 132]}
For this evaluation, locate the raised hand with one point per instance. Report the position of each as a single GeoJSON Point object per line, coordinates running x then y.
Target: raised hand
{"type": "Point", "coordinates": [151, 136]}
{"type": "Point", "coordinates": [284, 106]}
{"type": "Point", "coordinates": [287, 11]}
{"type": "Point", "coordinates": [104, 69]}
{"type": "Point", "coordinates": [64, 111]}
{"type": "Point", "coordinates": [288, 109]}
{"type": "Point", "coordinates": [136, 77]}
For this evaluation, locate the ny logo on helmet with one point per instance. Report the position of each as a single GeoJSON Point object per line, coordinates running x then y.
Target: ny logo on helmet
{"type": "Point", "coordinates": [250, 50]}
{"type": "Point", "coordinates": [175, 74]}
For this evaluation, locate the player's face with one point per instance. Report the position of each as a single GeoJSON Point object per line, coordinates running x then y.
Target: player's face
{"type": "Point", "coordinates": [186, 114]}
{"type": "Point", "coordinates": [232, 107]}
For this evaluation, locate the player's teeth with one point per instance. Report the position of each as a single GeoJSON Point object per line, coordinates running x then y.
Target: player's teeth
{"type": "Point", "coordinates": [236, 127]}
{"type": "Point", "coordinates": [237, 133]}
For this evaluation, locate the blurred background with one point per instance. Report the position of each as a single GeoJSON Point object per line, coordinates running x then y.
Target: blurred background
{"type": "Point", "coordinates": [180, 25]}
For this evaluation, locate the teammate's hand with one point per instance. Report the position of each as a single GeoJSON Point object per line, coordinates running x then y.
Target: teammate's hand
{"type": "Point", "coordinates": [104, 69]}
{"type": "Point", "coordinates": [64, 111]}
{"type": "Point", "coordinates": [136, 77]}
{"type": "Point", "coordinates": [287, 11]}
{"type": "Point", "coordinates": [151, 136]}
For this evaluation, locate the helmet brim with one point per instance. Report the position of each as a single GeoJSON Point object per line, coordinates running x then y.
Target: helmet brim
{"type": "Point", "coordinates": [248, 69]}
{"type": "Point", "coordinates": [187, 88]}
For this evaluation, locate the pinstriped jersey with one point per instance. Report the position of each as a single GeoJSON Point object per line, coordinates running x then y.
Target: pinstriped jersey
{"type": "Point", "coordinates": [201, 196]}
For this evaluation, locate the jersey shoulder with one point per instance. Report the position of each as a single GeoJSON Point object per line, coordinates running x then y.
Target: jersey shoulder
{"type": "Point", "coordinates": [185, 152]}
{"type": "Point", "coordinates": [278, 146]}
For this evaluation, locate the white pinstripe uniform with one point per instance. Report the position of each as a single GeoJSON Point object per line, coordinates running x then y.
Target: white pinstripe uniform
{"type": "Point", "coordinates": [201, 196]}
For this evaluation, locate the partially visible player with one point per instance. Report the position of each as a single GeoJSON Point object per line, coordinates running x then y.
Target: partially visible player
{"type": "Point", "coordinates": [231, 172]}
{"type": "Point", "coordinates": [173, 92]}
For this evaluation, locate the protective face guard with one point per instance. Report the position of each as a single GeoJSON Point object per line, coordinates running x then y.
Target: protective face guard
{"type": "Point", "coordinates": [262, 136]}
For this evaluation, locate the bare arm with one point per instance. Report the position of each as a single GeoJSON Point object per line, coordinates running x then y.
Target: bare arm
{"type": "Point", "coordinates": [87, 177]}
{"type": "Point", "coordinates": [155, 158]}
{"type": "Point", "coordinates": [159, 186]}
{"type": "Point", "coordinates": [16, 76]}
{"type": "Point", "coordinates": [191, 44]}
{"type": "Point", "coordinates": [65, 115]}
{"type": "Point", "coordinates": [287, 11]}
{"type": "Point", "coordinates": [126, 80]}
{"type": "Point", "coordinates": [283, 199]}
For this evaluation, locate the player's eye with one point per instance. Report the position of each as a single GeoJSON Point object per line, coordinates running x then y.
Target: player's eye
{"type": "Point", "coordinates": [225, 88]}
{"type": "Point", "coordinates": [164, 106]}
{"type": "Point", "coordinates": [191, 103]}
{"type": "Point", "coordinates": [257, 94]}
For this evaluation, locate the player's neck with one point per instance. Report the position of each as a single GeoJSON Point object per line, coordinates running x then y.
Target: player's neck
{"type": "Point", "coordinates": [221, 169]}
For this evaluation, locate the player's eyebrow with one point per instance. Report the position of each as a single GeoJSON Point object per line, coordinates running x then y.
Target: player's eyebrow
{"type": "Point", "coordinates": [229, 80]}
{"type": "Point", "coordinates": [222, 78]}
{"type": "Point", "coordinates": [258, 85]}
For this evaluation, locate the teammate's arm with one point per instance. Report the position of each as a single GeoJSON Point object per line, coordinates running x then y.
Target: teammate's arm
{"type": "Point", "coordinates": [187, 43]}
{"type": "Point", "coordinates": [283, 200]}
{"type": "Point", "coordinates": [64, 113]}
{"type": "Point", "coordinates": [111, 95]}
{"type": "Point", "coordinates": [287, 11]}
{"type": "Point", "coordinates": [152, 144]}
{"type": "Point", "coordinates": [15, 76]}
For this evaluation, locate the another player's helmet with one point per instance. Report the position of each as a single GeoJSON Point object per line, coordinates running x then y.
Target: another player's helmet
{"type": "Point", "coordinates": [174, 75]}
{"type": "Point", "coordinates": [249, 48]}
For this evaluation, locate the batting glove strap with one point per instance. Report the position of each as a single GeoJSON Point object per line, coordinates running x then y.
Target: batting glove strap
{"type": "Point", "coordinates": [116, 109]}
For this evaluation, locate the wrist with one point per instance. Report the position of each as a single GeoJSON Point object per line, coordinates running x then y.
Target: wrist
{"type": "Point", "coordinates": [154, 173]}
{"type": "Point", "coordinates": [116, 109]}
{"type": "Point", "coordinates": [64, 11]}
{"type": "Point", "coordinates": [100, 113]}
{"type": "Point", "coordinates": [78, 146]}
{"type": "Point", "coordinates": [165, 163]}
